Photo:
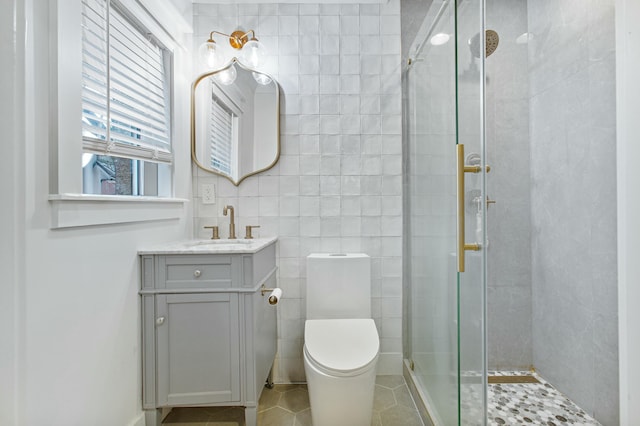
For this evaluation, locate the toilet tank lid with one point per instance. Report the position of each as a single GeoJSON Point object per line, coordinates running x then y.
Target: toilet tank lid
{"type": "Point", "coordinates": [334, 255]}
{"type": "Point", "coordinates": [342, 344]}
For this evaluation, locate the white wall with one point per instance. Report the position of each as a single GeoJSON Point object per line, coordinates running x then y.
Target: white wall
{"type": "Point", "coordinates": [338, 184]}
{"type": "Point", "coordinates": [11, 212]}
{"type": "Point", "coordinates": [70, 330]}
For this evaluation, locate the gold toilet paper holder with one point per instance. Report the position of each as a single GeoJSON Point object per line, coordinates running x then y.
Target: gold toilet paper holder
{"type": "Point", "coordinates": [272, 299]}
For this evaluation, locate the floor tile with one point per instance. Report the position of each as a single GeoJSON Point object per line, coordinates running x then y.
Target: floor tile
{"type": "Point", "coordinates": [295, 400]}
{"type": "Point", "coordinates": [399, 415]}
{"type": "Point", "coordinates": [403, 396]}
{"type": "Point", "coordinates": [193, 416]}
{"type": "Point", "coordinates": [375, 419]}
{"type": "Point", "coordinates": [235, 415]}
{"type": "Point", "coordinates": [303, 418]}
{"type": "Point", "coordinates": [532, 403]}
{"type": "Point", "coordinates": [390, 382]}
{"type": "Point", "coordinates": [288, 405]}
{"type": "Point", "coordinates": [383, 398]}
{"type": "Point", "coordinates": [269, 399]}
{"type": "Point", "coordinates": [275, 416]}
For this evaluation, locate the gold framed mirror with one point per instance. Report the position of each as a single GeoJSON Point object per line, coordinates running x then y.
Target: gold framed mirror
{"type": "Point", "coordinates": [235, 122]}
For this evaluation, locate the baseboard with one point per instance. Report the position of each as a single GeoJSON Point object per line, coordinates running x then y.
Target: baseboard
{"type": "Point", "coordinates": [138, 421]}
{"type": "Point", "coordinates": [389, 363]}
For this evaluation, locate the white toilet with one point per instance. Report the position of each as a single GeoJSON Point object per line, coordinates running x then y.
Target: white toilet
{"type": "Point", "coordinates": [341, 342]}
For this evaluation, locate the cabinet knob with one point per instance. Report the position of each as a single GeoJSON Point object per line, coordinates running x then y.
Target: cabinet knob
{"type": "Point", "coordinates": [197, 273]}
{"type": "Point", "coordinates": [160, 321]}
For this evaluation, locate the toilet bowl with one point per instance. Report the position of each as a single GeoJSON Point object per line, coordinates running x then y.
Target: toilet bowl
{"type": "Point", "coordinates": [341, 343]}
{"type": "Point", "coordinates": [340, 358]}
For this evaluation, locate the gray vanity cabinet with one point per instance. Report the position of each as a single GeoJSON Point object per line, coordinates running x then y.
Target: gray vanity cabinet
{"type": "Point", "coordinates": [208, 332]}
{"type": "Point", "coordinates": [197, 348]}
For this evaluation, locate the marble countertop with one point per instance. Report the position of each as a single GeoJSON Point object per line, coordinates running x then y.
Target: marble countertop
{"type": "Point", "coordinates": [221, 246]}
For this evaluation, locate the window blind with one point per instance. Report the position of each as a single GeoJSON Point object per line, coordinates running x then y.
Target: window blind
{"type": "Point", "coordinates": [221, 136]}
{"type": "Point", "coordinates": [125, 89]}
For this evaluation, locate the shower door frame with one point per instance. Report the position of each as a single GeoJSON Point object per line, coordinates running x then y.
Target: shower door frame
{"type": "Point", "coordinates": [469, 336]}
{"type": "Point", "coordinates": [472, 279]}
{"type": "Point", "coordinates": [628, 206]}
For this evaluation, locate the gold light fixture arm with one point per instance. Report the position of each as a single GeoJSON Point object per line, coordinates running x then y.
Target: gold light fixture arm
{"type": "Point", "coordinates": [216, 32]}
{"type": "Point", "coordinates": [237, 39]}
{"type": "Point", "coordinates": [461, 169]}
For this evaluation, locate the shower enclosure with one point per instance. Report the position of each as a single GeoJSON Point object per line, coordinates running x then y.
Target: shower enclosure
{"type": "Point", "coordinates": [510, 166]}
{"type": "Point", "coordinates": [446, 345]}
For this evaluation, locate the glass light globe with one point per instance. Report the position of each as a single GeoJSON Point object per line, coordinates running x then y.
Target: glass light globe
{"type": "Point", "coordinates": [211, 56]}
{"type": "Point", "coordinates": [261, 78]}
{"type": "Point", "coordinates": [227, 76]}
{"type": "Point", "coordinates": [253, 54]}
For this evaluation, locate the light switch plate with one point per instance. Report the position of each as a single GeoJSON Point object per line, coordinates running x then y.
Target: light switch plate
{"type": "Point", "coordinates": [208, 193]}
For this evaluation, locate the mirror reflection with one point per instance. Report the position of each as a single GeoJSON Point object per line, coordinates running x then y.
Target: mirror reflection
{"type": "Point", "coordinates": [235, 122]}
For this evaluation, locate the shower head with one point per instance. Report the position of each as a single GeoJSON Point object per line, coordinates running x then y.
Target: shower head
{"type": "Point", "coordinates": [491, 41]}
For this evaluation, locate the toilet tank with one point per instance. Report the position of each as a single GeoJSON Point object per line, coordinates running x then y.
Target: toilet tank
{"type": "Point", "coordinates": [338, 286]}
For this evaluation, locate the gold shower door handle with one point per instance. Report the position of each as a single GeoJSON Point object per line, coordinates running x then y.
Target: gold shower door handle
{"type": "Point", "coordinates": [461, 169]}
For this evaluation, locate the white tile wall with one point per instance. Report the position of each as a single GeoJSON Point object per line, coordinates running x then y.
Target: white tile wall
{"type": "Point", "coordinates": [338, 184]}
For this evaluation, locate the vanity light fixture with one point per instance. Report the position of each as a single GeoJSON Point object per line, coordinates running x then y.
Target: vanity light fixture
{"type": "Point", "coordinates": [252, 52]}
{"type": "Point", "coordinates": [227, 76]}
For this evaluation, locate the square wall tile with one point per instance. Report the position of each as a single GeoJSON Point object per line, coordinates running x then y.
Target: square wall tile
{"type": "Point", "coordinates": [339, 67]}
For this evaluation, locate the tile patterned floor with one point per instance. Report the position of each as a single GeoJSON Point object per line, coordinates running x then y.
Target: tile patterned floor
{"type": "Point", "coordinates": [532, 403]}
{"type": "Point", "coordinates": [509, 404]}
{"type": "Point", "coordinates": [288, 405]}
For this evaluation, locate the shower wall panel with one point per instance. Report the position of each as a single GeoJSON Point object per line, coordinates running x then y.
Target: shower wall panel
{"type": "Point", "coordinates": [412, 14]}
{"type": "Point", "coordinates": [573, 193]}
{"type": "Point", "coordinates": [509, 220]}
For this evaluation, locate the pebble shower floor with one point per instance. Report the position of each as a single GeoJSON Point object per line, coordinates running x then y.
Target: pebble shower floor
{"type": "Point", "coordinates": [532, 403]}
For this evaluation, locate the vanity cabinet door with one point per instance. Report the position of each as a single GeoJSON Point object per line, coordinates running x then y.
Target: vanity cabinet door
{"type": "Point", "coordinates": [198, 348]}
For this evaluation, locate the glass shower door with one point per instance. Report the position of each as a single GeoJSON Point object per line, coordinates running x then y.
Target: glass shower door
{"type": "Point", "coordinates": [444, 86]}
{"type": "Point", "coordinates": [433, 335]}
{"type": "Point", "coordinates": [471, 205]}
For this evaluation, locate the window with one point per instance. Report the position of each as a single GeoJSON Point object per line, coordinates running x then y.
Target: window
{"type": "Point", "coordinates": [221, 136]}
{"type": "Point", "coordinates": [126, 102]}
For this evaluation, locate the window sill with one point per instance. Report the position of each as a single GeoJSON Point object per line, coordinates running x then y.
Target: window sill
{"type": "Point", "coordinates": [77, 210]}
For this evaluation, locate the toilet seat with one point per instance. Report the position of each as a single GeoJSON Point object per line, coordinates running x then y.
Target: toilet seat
{"type": "Point", "coordinates": [341, 347]}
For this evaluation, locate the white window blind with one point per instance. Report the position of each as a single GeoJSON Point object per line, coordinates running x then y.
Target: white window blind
{"type": "Point", "coordinates": [221, 136]}
{"type": "Point", "coordinates": [125, 92]}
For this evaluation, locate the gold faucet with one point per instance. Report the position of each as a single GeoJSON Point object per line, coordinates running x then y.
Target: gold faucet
{"type": "Point", "coordinates": [232, 223]}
